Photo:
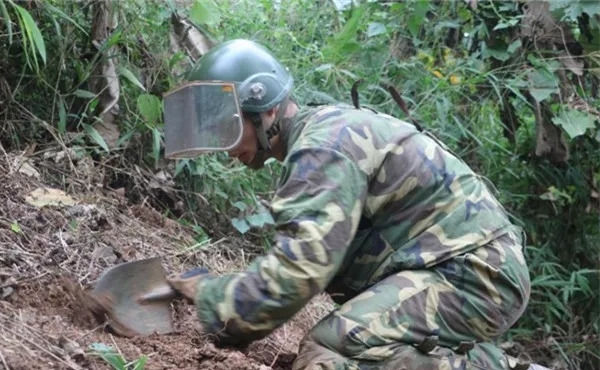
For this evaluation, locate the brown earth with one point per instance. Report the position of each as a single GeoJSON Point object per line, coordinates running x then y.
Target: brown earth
{"type": "Point", "coordinates": [48, 254]}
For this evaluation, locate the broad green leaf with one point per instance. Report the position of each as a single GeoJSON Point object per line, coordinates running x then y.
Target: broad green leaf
{"type": "Point", "coordinates": [517, 82]}
{"type": "Point", "coordinates": [590, 7]}
{"type": "Point", "coordinates": [558, 4]}
{"type": "Point", "coordinates": [548, 65]}
{"type": "Point", "coordinates": [109, 355]}
{"type": "Point", "coordinates": [84, 94]}
{"type": "Point", "coordinates": [240, 205]}
{"type": "Point", "coordinates": [96, 137]}
{"type": "Point", "coordinates": [351, 27]}
{"type": "Point", "coordinates": [514, 46]}
{"type": "Point", "coordinates": [28, 43]}
{"type": "Point", "coordinates": [255, 220]}
{"type": "Point", "coordinates": [375, 28]}
{"type": "Point", "coordinates": [205, 12]}
{"type": "Point", "coordinates": [349, 47]}
{"type": "Point", "coordinates": [268, 218]}
{"type": "Point", "coordinates": [181, 164]}
{"type": "Point", "coordinates": [33, 31]}
{"type": "Point", "coordinates": [500, 54]}
{"type": "Point", "coordinates": [62, 116]}
{"type": "Point", "coordinates": [464, 14]}
{"type": "Point", "coordinates": [260, 219]}
{"type": "Point", "coordinates": [509, 23]}
{"type": "Point", "coordinates": [417, 18]}
{"type": "Point", "coordinates": [540, 93]}
{"type": "Point", "coordinates": [100, 347]}
{"type": "Point", "coordinates": [344, 42]}
{"type": "Point", "coordinates": [7, 21]}
{"type": "Point", "coordinates": [574, 122]}
{"type": "Point", "coordinates": [542, 83]}
{"type": "Point", "coordinates": [507, 6]}
{"type": "Point", "coordinates": [131, 77]}
{"type": "Point", "coordinates": [240, 224]}
{"type": "Point", "coordinates": [575, 9]}
{"type": "Point", "coordinates": [150, 108]}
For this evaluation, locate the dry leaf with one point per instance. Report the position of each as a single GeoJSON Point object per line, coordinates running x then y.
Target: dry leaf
{"type": "Point", "coordinates": [21, 163]}
{"type": "Point", "coordinates": [29, 170]}
{"type": "Point", "coordinates": [71, 348]}
{"type": "Point", "coordinates": [106, 253]}
{"type": "Point", "coordinates": [42, 197]}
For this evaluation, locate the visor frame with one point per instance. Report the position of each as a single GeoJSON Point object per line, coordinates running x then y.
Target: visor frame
{"type": "Point", "coordinates": [194, 152]}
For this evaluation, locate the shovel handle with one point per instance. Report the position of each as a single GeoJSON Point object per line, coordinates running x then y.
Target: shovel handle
{"type": "Point", "coordinates": [166, 292]}
{"type": "Point", "coordinates": [163, 293]}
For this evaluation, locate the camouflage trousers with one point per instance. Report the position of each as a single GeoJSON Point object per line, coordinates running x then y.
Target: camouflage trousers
{"type": "Point", "coordinates": [445, 317]}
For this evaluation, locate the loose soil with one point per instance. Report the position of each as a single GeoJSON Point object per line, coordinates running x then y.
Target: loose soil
{"type": "Point", "coordinates": [49, 255]}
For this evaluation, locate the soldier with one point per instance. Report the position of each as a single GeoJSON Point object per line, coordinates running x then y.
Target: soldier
{"type": "Point", "coordinates": [422, 259]}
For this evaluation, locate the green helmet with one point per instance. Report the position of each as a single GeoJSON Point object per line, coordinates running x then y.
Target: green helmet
{"type": "Point", "coordinates": [261, 81]}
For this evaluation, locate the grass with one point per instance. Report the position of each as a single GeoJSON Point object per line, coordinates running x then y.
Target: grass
{"type": "Point", "coordinates": [437, 54]}
{"type": "Point", "coordinates": [116, 360]}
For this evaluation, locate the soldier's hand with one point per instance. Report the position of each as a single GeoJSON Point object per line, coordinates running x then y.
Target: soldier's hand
{"type": "Point", "coordinates": [186, 283]}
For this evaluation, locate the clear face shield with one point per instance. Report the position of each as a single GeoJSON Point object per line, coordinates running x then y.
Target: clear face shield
{"type": "Point", "coordinates": [201, 117]}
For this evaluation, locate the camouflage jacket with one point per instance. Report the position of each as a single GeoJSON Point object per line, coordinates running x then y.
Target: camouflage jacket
{"type": "Point", "coordinates": [361, 195]}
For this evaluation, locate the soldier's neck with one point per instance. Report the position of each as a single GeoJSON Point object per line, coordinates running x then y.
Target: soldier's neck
{"type": "Point", "coordinates": [278, 142]}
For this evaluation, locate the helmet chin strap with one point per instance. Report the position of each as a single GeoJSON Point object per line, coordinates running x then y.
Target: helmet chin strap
{"type": "Point", "coordinates": [276, 126]}
{"type": "Point", "coordinates": [264, 136]}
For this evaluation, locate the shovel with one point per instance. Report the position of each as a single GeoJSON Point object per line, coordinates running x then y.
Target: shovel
{"type": "Point", "coordinates": [136, 297]}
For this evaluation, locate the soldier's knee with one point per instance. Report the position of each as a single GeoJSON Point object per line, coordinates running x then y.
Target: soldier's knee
{"type": "Point", "coordinates": [315, 356]}
{"type": "Point", "coordinates": [338, 335]}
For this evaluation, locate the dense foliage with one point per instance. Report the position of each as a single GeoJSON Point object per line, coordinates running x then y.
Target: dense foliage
{"type": "Point", "coordinates": [512, 87]}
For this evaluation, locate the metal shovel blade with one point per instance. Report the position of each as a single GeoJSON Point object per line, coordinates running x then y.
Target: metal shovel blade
{"type": "Point", "coordinates": [136, 298]}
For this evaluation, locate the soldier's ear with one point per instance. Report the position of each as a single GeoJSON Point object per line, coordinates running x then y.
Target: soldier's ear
{"type": "Point", "coordinates": [267, 117]}
{"type": "Point", "coordinates": [270, 114]}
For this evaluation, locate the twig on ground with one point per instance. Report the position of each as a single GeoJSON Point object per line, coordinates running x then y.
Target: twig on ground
{"type": "Point", "coordinates": [3, 361]}
{"type": "Point", "coordinates": [38, 346]}
{"type": "Point", "coordinates": [103, 325]}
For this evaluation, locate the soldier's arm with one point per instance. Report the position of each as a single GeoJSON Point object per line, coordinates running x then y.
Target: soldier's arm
{"type": "Point", "coordinates": [316, 210]}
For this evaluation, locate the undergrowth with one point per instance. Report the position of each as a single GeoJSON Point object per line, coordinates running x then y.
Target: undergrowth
{"type": "Point", "coordinates": [463, 72]}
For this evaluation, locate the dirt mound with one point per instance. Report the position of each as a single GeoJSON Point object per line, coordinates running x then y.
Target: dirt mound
{"type": "Point", "coordinates": [49, 253]}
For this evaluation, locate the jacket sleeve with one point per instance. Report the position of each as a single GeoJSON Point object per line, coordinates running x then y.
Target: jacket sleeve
{"type": "Point", "coordinates": [316, 209]}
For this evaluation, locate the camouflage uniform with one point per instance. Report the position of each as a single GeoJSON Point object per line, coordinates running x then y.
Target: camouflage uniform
{"type": "Point", "coordinates": [403, 235]}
